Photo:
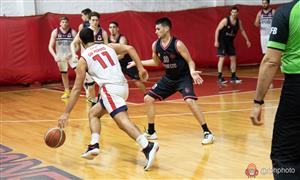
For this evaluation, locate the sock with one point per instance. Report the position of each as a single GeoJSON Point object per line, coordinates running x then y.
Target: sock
{"type": "Point", "coordinates": [151, 128]}
{"type": "Point", "coordinates": [95, 138]}
{"type": "Point", "coordinates": [233, 74]}
{"type": "Point", "coordinates": [219, 74]}
{"type": "Point", "coordinates": [142, 141]}
{"type": "Point", "coordinates": [205, 128]}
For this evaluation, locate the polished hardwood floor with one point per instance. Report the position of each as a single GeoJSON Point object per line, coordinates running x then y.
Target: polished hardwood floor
{"type": "Point", "coordinates": [27, 114]}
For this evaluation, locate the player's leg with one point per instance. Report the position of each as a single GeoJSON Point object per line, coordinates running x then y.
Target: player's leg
{"type": "Point", "coordinates": [232, 56]}
{"type": "Point", "coordinates": [185, 86]}
{"type": "Point", "coordinates": [221, 58]}
{"type": "Point", "coordinates": [263, 42]}
{"type": "Point", "coordinates": [140, 85]}
{"type": "Point", "coordinates": [95, 113]}
{"type": "Point", "coordinates": [89, 86]}
{"type": "Point", "coordinates": [113, 97]}
{"type": "Point", "coordinates": [63, 68]}
{"type": "Point", "coordinates": [161, 90]}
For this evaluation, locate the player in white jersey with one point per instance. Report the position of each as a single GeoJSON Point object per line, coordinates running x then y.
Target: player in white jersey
{"type": "Point", "coordinates": [61, 38]}
{"type": "Point", "coordinates": [101, 63]}
{"type": "Point", "coordinates": [264, 21]}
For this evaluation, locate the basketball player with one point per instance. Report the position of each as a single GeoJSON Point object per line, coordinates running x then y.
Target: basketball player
{"type": "Point", "coordinates": [101, 37]}
{"type": "Point", "coordinates": [180, 74]}
{"type": "Point", "coordinates": [61, 38]}
{"type": "Point", "coordinates": [116, 37]}
{"type": "Point", "coordinates": [101, 62]}
{"type": "Point", "coordinates": [264, 21]}
{"type": "Point", "coordinates": [283, 51]}
{"type": "Point", "coordinates": [224, 37]}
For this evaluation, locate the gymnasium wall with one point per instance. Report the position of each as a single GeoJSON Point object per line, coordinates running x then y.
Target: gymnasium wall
{"type": "Point", "coordinates": [24, 40]}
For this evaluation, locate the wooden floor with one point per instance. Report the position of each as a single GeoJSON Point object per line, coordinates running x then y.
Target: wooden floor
{"type": "Point", "coordinates": [27, 114]}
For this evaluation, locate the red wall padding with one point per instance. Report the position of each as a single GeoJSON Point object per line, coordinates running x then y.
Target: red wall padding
{"type": "Point", "coordinates": [24, 40]}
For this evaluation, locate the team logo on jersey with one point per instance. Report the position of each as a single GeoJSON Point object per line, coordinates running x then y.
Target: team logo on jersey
{"type": "Point", "coordinates": [59, 36]}
{"type": "Point", "coordinates": [69, 35]}
{"type": "Point", "coordinates": [99, 38]}
{"type": "Point", "coordinates": [172, 56]}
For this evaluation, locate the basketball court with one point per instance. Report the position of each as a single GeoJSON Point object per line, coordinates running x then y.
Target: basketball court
{"type": "Point", "coordinates": [30, 111]}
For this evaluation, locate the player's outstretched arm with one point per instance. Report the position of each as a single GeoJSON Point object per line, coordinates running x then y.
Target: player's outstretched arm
{"type": "Point", "coordinates": [184, 52]}
{"type": "Point", "coordinates": [75, 93]}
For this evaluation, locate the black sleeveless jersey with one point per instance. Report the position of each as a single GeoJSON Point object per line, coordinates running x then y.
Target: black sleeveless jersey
{"type": "Point", "coordinates": [123, 62]}
{"type": "Point", "coordinates": [229, 32]}
{"type": "Point", "coordinates": [174, 63]}
{"type": "Point", "coordinates": [98, 36]}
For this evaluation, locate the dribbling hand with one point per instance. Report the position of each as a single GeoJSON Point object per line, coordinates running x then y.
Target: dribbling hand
{"type": "Point", "coordinates": [63, 120]}
{"type": "Point", "coordinates": [143, 74]}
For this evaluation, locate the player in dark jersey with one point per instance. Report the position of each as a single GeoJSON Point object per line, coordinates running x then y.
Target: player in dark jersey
{"type": "Point", "coordinates": [125, 59]}
{"type": "Point", "coordinates": [224, 37]}
{"type": "Point", "coordinates": [180, 75]}
{"type": "Point", "coordinates": [100, 37]}
{"type": "Point", "coordinates": [283, 51]}
{"type": "Point", "coordinates": [61, 38]}
{"type": "Point", "coordinates": [85, 14]}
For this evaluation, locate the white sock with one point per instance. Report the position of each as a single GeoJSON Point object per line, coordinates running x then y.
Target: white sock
{"type": "Point", "coordinates": [95, 138]}
{"type": "Point", "coordinates": [142, 141]}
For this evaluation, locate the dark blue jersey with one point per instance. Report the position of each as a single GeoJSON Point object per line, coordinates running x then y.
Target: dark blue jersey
{"type": "Point", "coordinates": [99, 37]}
{"type": "Point", "coordinates": [86, 24]}
{"type": "Point", "coordinates": [174, 63]}
{"type": "Point", "coordinates": [229, 32]}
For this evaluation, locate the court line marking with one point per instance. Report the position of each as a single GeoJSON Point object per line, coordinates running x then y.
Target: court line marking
{"type": "Point", "coordinates": [140, 116]}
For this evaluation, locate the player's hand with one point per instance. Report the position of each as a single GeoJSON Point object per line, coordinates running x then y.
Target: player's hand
{"type": "Point", "coordinates": [255, 115]}
{"type": "Point", "coordinates": [248, 44]}
{"type": "Point", "coordinates": [63, 120]}
{"type": "Point", "coordinates": [131, 64]}
{"type": "Point", "coordinates": [196, 77]}
{"type": "Point", "coordinates": [143, 74]}
{"type": "Point", "coordinates": [57, 59]}
{"type": "Point", "coordinates": [216, 44]}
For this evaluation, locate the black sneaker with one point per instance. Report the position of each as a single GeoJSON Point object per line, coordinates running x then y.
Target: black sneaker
{"type": "Point", "coordinates": [235, 80]}
{"type": "Point", "coordinates": [92, 152]}
{"type": "Point", "coordinates": [221, 80]}
{"type": "Point", "coordinates": [150, 152]}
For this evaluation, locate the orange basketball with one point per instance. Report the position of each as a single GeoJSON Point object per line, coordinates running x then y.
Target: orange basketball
{"type": "Point", "coordinates": [55, 137]}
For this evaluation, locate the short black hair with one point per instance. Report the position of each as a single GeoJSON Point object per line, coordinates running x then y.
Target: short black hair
{"type": "Point", "coordinates": [114, 22]}
{"type": "Point", "coordinates": [64, 18]}
{"type": "Point", "coordinates": [164, 21]}
{"type": "Point", "coordinates": [94, 13]}
{"type": "Point", "coordinates": [86, 11]}
{"type": "Point", "coordinates": [86, 35]}
{"type": "Point", "coordinates": [268, 1]}
{"type": "Point", "coordinates": [235, 8]}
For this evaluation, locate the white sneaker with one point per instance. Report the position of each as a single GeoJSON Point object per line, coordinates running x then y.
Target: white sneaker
{"type": "Point", "coordinates": [208, 138]}
{"type": "Point", "coordinates": [150, 136]}
{"type": "Point", "coordinates": [150, 152]}
{"type": "Point", "coordinates": [92, 152]}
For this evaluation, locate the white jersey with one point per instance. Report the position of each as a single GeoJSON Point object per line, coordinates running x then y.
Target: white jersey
{"type": "Point", "coordinates": [266, 22]}
{"type": "Point", "coordinates": [103, 65]}
{"type": "Point", "coordinates": [265, 28]}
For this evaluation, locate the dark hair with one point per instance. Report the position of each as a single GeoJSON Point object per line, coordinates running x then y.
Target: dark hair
{"type": "Point", "coordinates": [268, 1]}
{"type": "Point", "coordinates": [235, 8]}
{"type": "Point", "coordinates": [164, 22]}
{"type": "Point", "coordinates": [94, 13]}
{"type": "Point", "coordinates": [86, 11]}
{"type": "Point", "coordinates": [114, 22]}
{"type": "Point", "coordinates": [86, 35]}
{"type": "Point", "coordinates": [64, 18]}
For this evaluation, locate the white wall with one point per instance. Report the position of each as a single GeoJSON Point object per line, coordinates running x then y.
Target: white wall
{"type": "Point", "coordinates": [33, 7]}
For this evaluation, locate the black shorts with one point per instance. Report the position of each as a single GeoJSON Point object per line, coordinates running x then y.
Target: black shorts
{"type": "Point", "coordinates": [165, 87]}
{"type": "Point", "coordinates": [286, 170]}
{"type": "Point", "coordinates": [286, 132]}
{"type": "Point", "coordinates": [226, 48]}
{"type": "Point", "coordinates": [132, 72]}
